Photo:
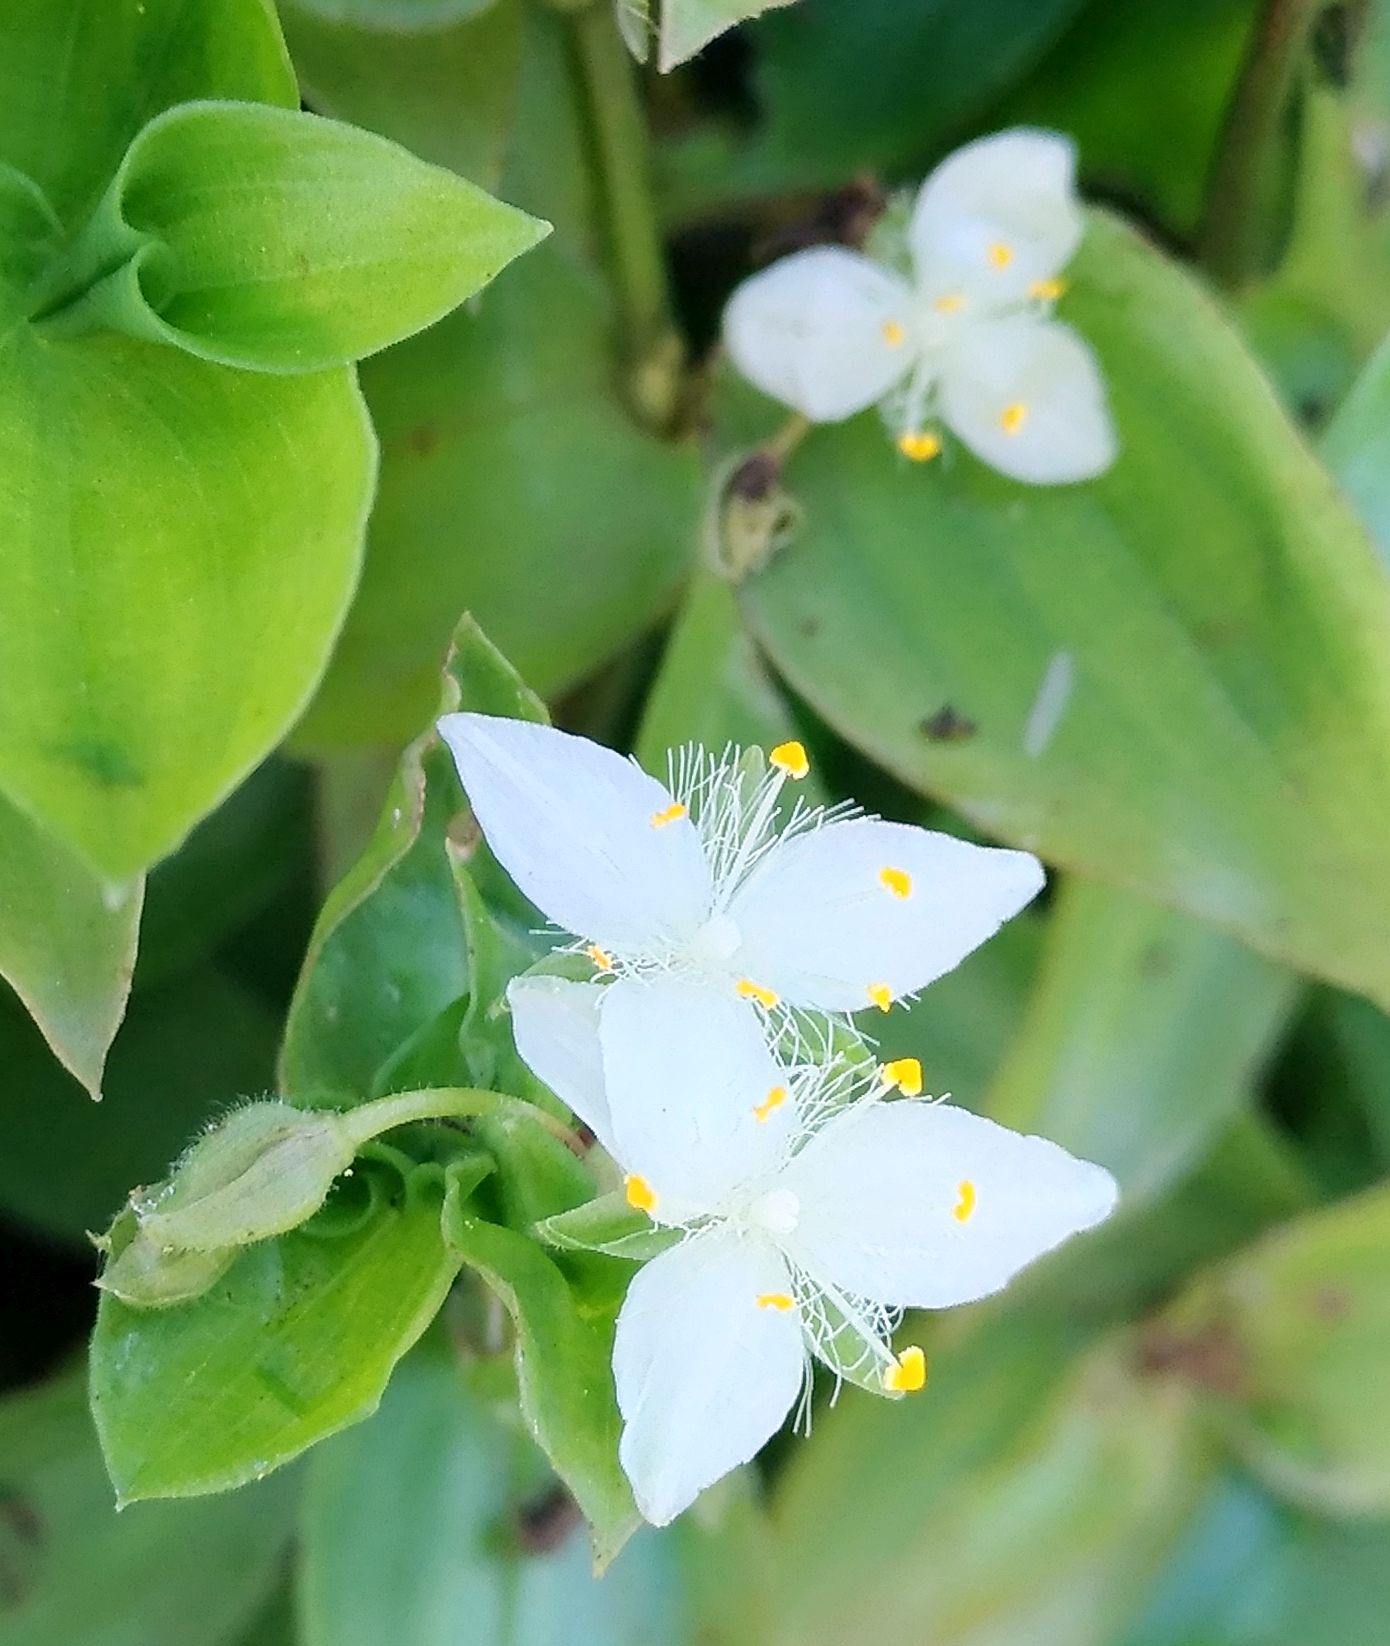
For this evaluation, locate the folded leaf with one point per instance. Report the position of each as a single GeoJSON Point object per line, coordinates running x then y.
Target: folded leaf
{"type": "Point", "coordinates": [281, 242]}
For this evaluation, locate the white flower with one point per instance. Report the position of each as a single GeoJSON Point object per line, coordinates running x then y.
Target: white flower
{"type": "Point", "coordinates": [809, 1212]}
{"type": "Point", "coordinates": [827, 912]}
{"type": "Point", "coordinates": [969, 340]}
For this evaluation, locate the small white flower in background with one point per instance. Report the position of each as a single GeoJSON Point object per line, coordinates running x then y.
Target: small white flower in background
{"type": "Point", "coordinates": [810, 1211]}
{"type": "Point", "coordinates": [968, 342]}
{"type": "Point", "coordinates": [821, 912]}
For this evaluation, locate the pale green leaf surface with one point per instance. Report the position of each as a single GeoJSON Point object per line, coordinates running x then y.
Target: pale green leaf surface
{"type": "Point", "coordinates": [1356, 447]}
{"type": "Point", "coordinates": [294, 1343]}
{"type": "Point", "coordinates": [1234, 772]}
{"type": "Point", "coordinates": [278, 241]}
{"type": "Point", "coordinates": [390, 17]}
{"type": "Point", "coordinates": [97, 70]}
{"type": "Point", "coordinates": [164, 627]}
{"type": "Point", "coordinates": [186, 1574]}
{"type": "Point", "coordinates": [67, 943]}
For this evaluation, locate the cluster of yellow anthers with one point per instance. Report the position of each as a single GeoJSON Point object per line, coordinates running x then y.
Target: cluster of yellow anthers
{"type": "Point", "coordinates": [809, 1193]}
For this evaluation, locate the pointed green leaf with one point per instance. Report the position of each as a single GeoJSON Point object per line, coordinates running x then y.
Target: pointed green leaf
{"type": "Point", "coordinates": [164, 628]}
{"type": "Point", "coordinates": [294, 1343]}
{"type": "Point", "coordinates": [67, 943]}
{"type": "Point", "coordinates": [1178, 676]}
{"type": "Point", "coordinates": [281, 242]}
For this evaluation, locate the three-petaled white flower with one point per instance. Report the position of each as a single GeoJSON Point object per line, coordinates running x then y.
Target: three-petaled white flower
{"type": "Point", "coordinates": [968, 342]}
{"type": "Point", "coordinates": [808, 1211]}
{"type": "Point", "coordinates": [819, 911]}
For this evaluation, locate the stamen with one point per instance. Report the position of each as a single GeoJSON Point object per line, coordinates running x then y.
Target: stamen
{"type": "Point", "coordinates": [952, 302]}
{"type": "Point", "coordinates": [1047, 291]}
{"type": "Point", "coordinates": [919, 447]}
{"type": "Point", "coordinates": [639, 1194]}
{"type": "Point", "coordinates": [880, 995]}
{"type": "Point", "coordinates": [600, 957]}
{"type": "Point", "coordinates": [1000, 254]}
{"type": "Point", "coordinates": [908, 1373]}
{"type": "Point", "coordinates": [775, 1300]}
{"type": "Point", "coordinates": [965, 1205]}
{"type": "Point", "coordinates": [750, 990]}
{"type": "Point", "coordinates": [903, 1072]}
{"type": "Point", "coordinates": [659, 820]}
{"type": "Point", "coordinates": [774, 1100]}
{"type": "Point", "coordinates": [893, 334]}
{"type": "Point", "coordinates": [898, 881]}
{"type": "Point", "coordinates": [791, 759]}
{"type": "Point", "coordinates": [1012, 418]}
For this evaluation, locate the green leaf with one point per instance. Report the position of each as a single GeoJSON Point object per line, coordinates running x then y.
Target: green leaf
{"type": "Point", "coordinates": [186, 1574]}
{"type": "Point", "coordinates": [1232, 774]}
{"type": "Point", "coordinates": [279, 241]}
{"type": "Point", "coordinates": [163, 628]}
{"type": "Point", "coordinates": [609, 1225]}
{"type": "Point", "coordinates": [67, 943]}
{"type": "Point", "coordinates": [1356, 447]}
{"type": "Point", "coordinates": [565, 1381]}
{"type": "Point", "coordinates": [391, 950]}
{"type": "Point", "coordinates": [448, 94]}
{"type": "Point", "coordinates": [296, 1342]}
{"type": "Point", "coordinates": [405, 16]}
{"type": "Point", "coordinates": [514, 483]}
{"type": "Point", "coordinates": [685, 27]}
{"type": "Point", "coordinates": [95, 73]}
{"type": "Point", "coordinates": [1018, 1499]}
{"type": "Point", "coordinates": [435, 1523]}
{"type": "Point", "coordinates": [1289, 1340]}
{"type": "Point", "coordinates": [1097, 1066]}
{"type": "Point", "coordinates": [190, 1046]}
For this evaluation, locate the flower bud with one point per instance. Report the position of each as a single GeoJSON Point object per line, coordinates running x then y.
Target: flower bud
{"type": "Point", "coordinates": [147, 1275]}
{"type": "Point", "coordinates": [266, 1169]}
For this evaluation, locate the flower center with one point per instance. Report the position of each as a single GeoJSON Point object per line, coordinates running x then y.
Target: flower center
{"type": "Point", "coordinates": [717, 940]}
{"type": "Point", "coordinates": [776, 1213]}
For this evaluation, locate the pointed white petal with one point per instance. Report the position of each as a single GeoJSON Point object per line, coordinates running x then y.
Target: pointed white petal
{"type": "Point", "coordinates": [1026, 396]}
{"type": "Point", "coordinates": [700, 1106]}
{"type": "Point", "coordinates": [831, 914]}
{"type": "Point", "coordinates": [824, 331]}
{"type": "Point", "coordinates": [555, 1026]}
{"type": "Point", "coordinates": [704, 1374]}
{"type": "Point", "coordinates": [572, 823]}
{"type": "Point", "coordinates": [996, 217]}
{"type": "Point", "coordinates": [923, 1205]}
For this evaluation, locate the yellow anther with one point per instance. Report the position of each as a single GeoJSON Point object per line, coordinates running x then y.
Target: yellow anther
{"type": "Point", "coordinates": [919, 447]}
{"type": "Point", "coordinates": [639, 1194]}
{"type": "Point", "coordinates": [755, 991]}
{"type": "Point", "coordinates": [1000, 254]}
{"type": "Point", "coordinates": [908, 1373]}
{"type": "Point", "coordinates": [600, 957]}
{"type": "Point", "coordinates": [905, 1073]}
{"type": "Point", "coordinates": [880, 995]}
{"type": "Point", "coordinates": [791, 759]}
{"type": "Point", "coordinates": [898, 881]}
{"type": "Point", "coordinates": [893, 334]}
{"type": "Point", "coordinates": [951, 302]}
{"type": "Point", "coordinates": [780, 1301]}
{"type": "Point", "coordinates": [659, 820]}
{"type": "Point", "coordinates": [1047, 291]}
{"type": "Point", "coordinates": [965, 1202]}
{"type": "Point", "coordinates": [1012, 418]}
{"type": "Point", "coordinates": [774, 1100]}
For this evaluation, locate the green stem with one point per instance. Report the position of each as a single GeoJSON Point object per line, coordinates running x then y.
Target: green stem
{"type": "Point", "coordinates": [1235, 216]}
{"type": "Point", "coordinates": [622, 152]}
{"type": "Point", "coordinates": [437, 1103]}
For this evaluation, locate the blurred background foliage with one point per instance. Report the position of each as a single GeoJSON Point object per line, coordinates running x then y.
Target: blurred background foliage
{"type": "Point", "coordinates": [1177, 1431]}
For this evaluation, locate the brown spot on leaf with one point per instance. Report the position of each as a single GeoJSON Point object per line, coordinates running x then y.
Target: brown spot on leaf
{"type": "Point", "coordinates": [1210, 1357]}
{"type": "Point", "coordinates": [947, 725]}
{"type": "Point", "coordinates": [546, 1522]}
{"type": "Point", "coordinates": [423, 439]}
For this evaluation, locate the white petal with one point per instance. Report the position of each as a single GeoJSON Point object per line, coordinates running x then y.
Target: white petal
{"type": "Point", "coordinates": [690, 1085]}
{"type": "Point", "coordinates": [824, 919]}
{"type": "Point", "coordinates": [815, 331]}
{"type": "Point", "coordinates": [1027, 396]}
{"type": "Point", "coordinates": [572, 823]}
{"type": "Point", "coordinates": [924, 1205]}
{"type": "Point", "coordinates": [555, 1026]}
{"type": "Point", "coordinates": [996, 217]}
{"type": "Point", "coordinates": [704, 1374]}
